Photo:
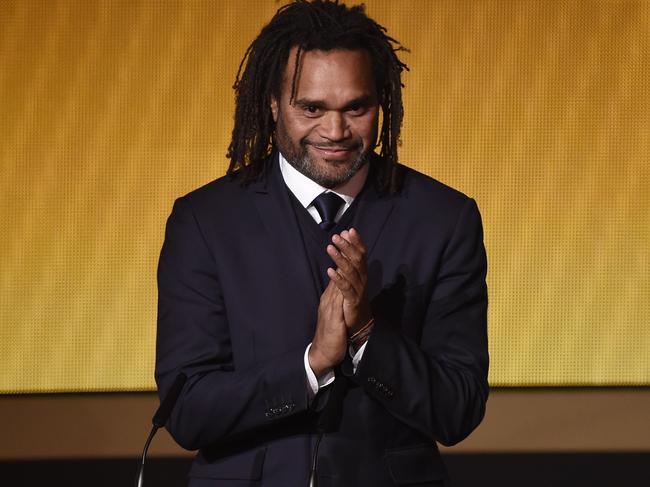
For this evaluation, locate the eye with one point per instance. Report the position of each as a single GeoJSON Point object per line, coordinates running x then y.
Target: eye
{"type": "Point", "coordinates": [312, 110]}
{"type": "Point", "coordinates": [357, 109]}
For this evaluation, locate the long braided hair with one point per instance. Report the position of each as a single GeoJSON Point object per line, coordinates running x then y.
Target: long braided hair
{"type": "Point", "coordinates": [310, 25]}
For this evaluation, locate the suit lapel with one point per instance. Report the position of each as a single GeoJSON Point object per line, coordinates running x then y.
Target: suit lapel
{"type": "Point", "coordinates": [272, 202]}
{"type": "Point", "coordinates": [371, 215]}
{"type": "Point", "coordinates": [371, 220]}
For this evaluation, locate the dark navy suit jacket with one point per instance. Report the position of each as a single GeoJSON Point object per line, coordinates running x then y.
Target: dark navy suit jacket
{"type": "Point", "coordinates": [238, 305]}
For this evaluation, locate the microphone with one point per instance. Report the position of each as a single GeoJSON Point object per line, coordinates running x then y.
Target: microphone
{"type": "Point", "coordinates": [159, 419]}
{"type": "Point", "coordinates": [169, 401]}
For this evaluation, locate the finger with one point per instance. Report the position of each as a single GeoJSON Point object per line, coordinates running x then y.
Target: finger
{"type": "Point", "coordinates": [341, 283]}
{"type": "Point", "coordinates": [330, 288]}
{"type": "Point", "coordinates": [347, 248]}
{"type": "Point", "coordinates": [347, 271]}
{"type": "Point", "coordinates": [338, 299]}
{"type": "Point", "coordinates": [356, 270]}
{"type": "Point", "coordinates": [346, 288]}
{"type": "Point", "coordinates": [328, 296]}
{"type": "Point", "coordinates": [342, 262]}
{"type": "Point", "coordinates": [355, 239]}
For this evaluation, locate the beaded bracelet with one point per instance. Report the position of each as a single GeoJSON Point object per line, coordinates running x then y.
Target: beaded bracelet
{"type": "Point", "coordinates": [358, 342]}
{"type": "Point", "coordinates": [361, 330]}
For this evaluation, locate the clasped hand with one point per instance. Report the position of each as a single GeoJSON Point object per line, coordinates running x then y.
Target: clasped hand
{"type": "Point", "coordinates": [343, 307]}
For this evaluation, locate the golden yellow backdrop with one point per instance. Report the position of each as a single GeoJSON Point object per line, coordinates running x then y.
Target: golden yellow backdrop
{"type": "Point", "coordinates": [111, 109]}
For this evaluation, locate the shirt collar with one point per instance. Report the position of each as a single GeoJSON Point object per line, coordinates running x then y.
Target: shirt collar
{"type": "Point", "coordinates": [306, 190]}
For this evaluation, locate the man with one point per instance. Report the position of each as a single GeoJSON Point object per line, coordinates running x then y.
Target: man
{"type": "Point", "coordinates": [327, 304]}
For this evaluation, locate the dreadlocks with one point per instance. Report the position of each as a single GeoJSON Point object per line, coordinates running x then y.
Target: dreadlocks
{"type": "Point", "coordinates": [312, 25]}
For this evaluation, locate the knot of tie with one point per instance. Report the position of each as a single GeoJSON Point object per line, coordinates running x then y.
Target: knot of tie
{"type": "Point", "coordinates": [327, 205]}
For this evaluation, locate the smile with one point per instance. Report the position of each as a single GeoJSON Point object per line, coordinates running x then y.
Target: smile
{"type": "Point", "coordinates": [334, 152]}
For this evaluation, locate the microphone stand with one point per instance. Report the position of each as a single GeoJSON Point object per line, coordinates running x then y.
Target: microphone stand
{"type": "Point", "coordinates": [330, 417]}
{"type": "Point", "coordinates": [313, 477]}
{"type": "Point", "coordinates": [139, 479]}
{"type": "Point", "coordinates": [159, 419]}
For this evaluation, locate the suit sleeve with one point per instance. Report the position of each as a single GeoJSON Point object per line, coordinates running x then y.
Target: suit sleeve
{"type": "Point", "coordinates": [219, 399]}
{"type": "Point", "coordinates": [438, 384]}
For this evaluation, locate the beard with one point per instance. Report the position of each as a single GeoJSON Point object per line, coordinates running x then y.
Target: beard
{"type": "Point", "coordinates": [327, 173]}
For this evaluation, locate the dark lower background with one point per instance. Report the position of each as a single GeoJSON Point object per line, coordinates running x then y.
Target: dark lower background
{"type": "Point", "coordinates": [530, 437]}
{"type": "Point", "coordinates": [466, 470]}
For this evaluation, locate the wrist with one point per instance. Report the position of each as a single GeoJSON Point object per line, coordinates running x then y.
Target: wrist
{"type": "Point", "coordinates": [360, 336]}
{"type": "Point", "coordinates": [364, 316]}
{"type": "Point", "coordinates": [317, 362]}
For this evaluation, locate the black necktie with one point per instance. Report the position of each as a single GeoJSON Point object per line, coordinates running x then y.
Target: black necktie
{"type": "Point", "coordinates": [327, 205]}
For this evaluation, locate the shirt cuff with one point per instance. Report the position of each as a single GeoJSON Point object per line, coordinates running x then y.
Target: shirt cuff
{"type": "Point", "coordinates": [356, 357]}
{"type": "Point", "coordinates": [316, 384]}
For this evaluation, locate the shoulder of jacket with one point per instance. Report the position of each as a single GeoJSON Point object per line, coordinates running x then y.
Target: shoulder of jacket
{"type": "Point", "coordinates": [418, 185]}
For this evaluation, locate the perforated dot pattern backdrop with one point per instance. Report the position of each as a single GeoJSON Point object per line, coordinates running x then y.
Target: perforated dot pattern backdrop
{"type": "Point", "coordinates": [111, 109]}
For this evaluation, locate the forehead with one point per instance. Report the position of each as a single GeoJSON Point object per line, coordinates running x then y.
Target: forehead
{"type": "Point", "coordinates": [325, 71]}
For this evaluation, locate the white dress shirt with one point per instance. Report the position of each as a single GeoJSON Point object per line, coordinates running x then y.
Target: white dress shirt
{"type": "Point", "coordinates": [306, 190]}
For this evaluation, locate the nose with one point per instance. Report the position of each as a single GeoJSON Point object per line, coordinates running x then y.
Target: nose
{"type": "Point", "coordinates": [335, 126]}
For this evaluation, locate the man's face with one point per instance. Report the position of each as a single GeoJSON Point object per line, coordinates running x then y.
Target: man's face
{"type": "Point", "coordinates": [331, 124]}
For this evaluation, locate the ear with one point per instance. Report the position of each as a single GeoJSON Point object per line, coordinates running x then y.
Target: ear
{"type": "Point", "coordinates": [274, 108]}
